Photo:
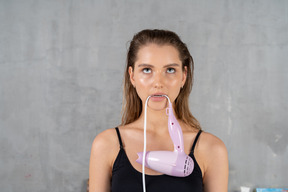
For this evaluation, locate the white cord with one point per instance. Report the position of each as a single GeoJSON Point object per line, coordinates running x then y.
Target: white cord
{"type": "Point", "coordinates": [144, 148]}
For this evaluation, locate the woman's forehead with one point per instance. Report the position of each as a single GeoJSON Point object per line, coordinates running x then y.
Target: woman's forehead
{"type": "Point", "coordinates": [153, 53]}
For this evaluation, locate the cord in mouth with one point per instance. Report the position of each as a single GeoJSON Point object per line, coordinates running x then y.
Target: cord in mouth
{"type": "Point", "coordinates": [157, 95]}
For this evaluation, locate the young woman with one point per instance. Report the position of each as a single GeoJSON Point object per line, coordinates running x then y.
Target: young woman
{"type": "Point", "coordinates": [158, 63]}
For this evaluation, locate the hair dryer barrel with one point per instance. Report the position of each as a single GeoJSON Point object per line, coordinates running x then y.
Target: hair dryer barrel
{"type": "Point", "coordinates": [168, 162]}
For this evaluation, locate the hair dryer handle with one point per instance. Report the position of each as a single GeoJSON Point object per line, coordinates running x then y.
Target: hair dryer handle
{"type": "Point", "coordinates": [175, 130]}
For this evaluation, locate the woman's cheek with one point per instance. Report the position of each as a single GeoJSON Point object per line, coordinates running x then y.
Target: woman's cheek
{"type": "Point", "coordinates": [142, 86]}
{"type": "Point", "coordinates": [172, 83]}
{"type": "Point", "coordinates": [174, 88]}
{"type": "Point", "coordinates": [145, 80]}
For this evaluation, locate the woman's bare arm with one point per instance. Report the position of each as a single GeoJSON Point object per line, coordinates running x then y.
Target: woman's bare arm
{"type": "Point", "coordinates": [103, 153]}
{"type": "Point", "coordinates": [216, 165]}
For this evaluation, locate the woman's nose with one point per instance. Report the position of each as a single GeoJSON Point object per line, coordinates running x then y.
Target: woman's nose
{"type": "Point", "coordinates": [158, 80]}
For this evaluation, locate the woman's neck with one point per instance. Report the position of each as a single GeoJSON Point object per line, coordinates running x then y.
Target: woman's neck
{"type": "Point", "coordinates": [157, 120]}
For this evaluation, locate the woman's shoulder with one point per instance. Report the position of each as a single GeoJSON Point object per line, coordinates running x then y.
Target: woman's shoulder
{"type": "Point", "coordinates": [106, 140]}
{"type": "Point", "coordinates": [211, 143]}
{"type": "Point", "coordinates": [212, 148]}
{"type": "Point", "coordinates": [210, 140]}
{"type": "Point", "coordinates": [105, 136]}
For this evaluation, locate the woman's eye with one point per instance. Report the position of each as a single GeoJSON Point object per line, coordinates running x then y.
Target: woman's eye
{"type": "Point", "coordinates": [170, 70]}
{"type": "Point", "coordinates": [146, 70]}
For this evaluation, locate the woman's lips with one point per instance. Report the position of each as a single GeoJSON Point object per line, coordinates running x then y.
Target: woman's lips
{"type": "Point", "coordinates": [158, 97]}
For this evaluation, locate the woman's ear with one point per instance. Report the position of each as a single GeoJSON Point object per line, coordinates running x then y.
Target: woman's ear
{"type": "Point", "coordinates": [131, 74]}
{"type": "Point", "coordinates": [184, 76]}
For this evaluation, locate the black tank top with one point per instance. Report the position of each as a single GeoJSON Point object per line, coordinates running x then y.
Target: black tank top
{"type": "Point", "coordinates": [125, 178]}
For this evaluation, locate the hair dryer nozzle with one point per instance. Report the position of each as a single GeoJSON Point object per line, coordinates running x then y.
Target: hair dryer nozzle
{"type": "Point", "coordinates": [140, 158]}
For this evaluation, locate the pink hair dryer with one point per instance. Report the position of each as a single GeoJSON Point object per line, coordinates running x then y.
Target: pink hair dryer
{"type": "Point", "coordinates": [173, 163]}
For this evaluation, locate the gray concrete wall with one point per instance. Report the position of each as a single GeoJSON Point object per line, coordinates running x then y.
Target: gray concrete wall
{"type": "Point", "coordinates": [61, 69]}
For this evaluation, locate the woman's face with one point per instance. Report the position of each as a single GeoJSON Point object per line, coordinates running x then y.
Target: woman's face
{"type": "Point", "coordinates": [157, 71]}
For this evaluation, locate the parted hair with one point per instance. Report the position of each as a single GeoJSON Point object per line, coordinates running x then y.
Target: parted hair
{"type": "Point", "coordinates": [132, 104]}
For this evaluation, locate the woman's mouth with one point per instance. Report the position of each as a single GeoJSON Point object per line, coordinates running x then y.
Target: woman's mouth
{"type": "Point", "coordinates": [158, 97]}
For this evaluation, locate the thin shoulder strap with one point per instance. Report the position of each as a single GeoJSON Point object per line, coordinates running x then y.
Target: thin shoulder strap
{"type": "Point", "coordinates": [119, 137]}
{"type": "Point", "coordinates": [195, 141]}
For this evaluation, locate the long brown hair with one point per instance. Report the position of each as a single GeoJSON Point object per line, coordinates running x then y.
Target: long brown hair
{"type": "Point", "coordinates": [132, 104]}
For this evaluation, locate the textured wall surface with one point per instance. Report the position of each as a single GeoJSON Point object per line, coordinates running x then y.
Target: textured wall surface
{"type": "Point", "coordinates": [61, 71]}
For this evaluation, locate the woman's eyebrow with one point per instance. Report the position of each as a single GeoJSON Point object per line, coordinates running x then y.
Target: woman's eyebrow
{"type": "Point", "coordinates": [172, 65]}
{"type": "Point", "coordinates": [145, 65]}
